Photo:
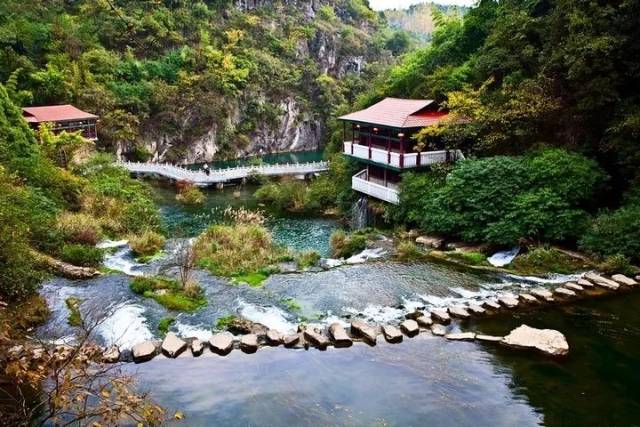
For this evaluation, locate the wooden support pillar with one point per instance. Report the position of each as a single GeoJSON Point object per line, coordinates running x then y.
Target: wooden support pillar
{"type": "Point", "coordinates": [385, 177]}
{"type": "Point", "coordinates": [389, 147]}
{"type": "Point", "coordinates": [402, 151]}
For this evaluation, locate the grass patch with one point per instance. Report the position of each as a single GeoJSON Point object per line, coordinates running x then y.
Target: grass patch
{"type": "Point", "coordinates": [344, 245]}
{"type": "Point", "coordinates": [472, 258]}
{"type": "Point", "coordinates": [291, 304]}
{"type": "Point", "coordinates": [148, 258]}
{"type": "Point", "coordinates": [73, 304]}
{"type": "Point", "coordinates": [165, 323]}
{"type": "Point", "coordinates": [169, 293]}
{"type": "Point", "coordinates": [307, 259]}
{"type": "Point", "coordinates": [224, 322]}
{"type": "Point", "coordinates": [254, 279]}
{"type": "Point", "coordinates": [189, 194]}
{"type": "Point", "coordinates": [147, 244]}
{"type": "Point", "coordinates": [408, 251]}
{"type": "Point", "coordinates": [542, 260]}
{"type": "Point", "coordinates": [82, 255]}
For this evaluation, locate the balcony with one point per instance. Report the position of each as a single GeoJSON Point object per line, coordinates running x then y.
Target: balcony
{"type": "Point", "coordinates": [375, 188]}
{"type": "Point", "coordinates": [401, 160]}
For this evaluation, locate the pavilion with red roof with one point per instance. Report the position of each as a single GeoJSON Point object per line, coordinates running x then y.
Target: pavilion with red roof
{"type": "Point", "coordinates": [63, 118]}
{"type": "Point", "coordinates": [381, 137]}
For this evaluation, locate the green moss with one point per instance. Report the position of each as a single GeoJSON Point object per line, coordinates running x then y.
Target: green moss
{"type": "Point", "coordinates": [225, 321]}
{"type": "Point", "coordinates": [542, 260]}
{"type": "Point", "coordinates": [344, 245]}
{"type": "Point", "coordinates": [473, 258]}
{"type": "Point", "coordinates": [82, 255]}
{"type": "Point", "coordinates": [168, 293]}
{"type": "Point", "coordinates": [165, 323]}
{"type": "Point", "coordinates": [291, 304]}
{"type": "Point", "coordinates": [73, 304]}
{"type": "Point", "coordinates": [254, 279]}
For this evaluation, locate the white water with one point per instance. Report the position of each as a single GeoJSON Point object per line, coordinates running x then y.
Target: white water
{"type": "Point", "coordinates": [122, 260]}
{"type": "Point", "coordinates": [270, 316]}
{"type": "Point", "coordinates": [125, 327]}
{"type": "Point", "coordinates": [366, 255]}
{"type": "Point", "coordinates": [500, 259]}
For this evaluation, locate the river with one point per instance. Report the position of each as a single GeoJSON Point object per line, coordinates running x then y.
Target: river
{"type": "Point", "coordinates": [423, 381]}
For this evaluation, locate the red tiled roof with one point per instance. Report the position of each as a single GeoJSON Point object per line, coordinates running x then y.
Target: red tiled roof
{"type": "Point", "coordinates": [398, 113]}
{"type": "Point", "coordinates": [55, 113]}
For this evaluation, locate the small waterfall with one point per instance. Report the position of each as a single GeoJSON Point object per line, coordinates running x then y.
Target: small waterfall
{"type": "Point", "coordinates": [360, 213]}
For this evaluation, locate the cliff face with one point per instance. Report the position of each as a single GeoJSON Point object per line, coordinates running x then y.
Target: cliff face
{"type": "Point", "coordinates": [330, 42]}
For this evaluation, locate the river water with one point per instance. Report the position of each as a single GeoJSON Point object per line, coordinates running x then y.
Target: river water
{"type": "Point", "coordinates": [423, 381]}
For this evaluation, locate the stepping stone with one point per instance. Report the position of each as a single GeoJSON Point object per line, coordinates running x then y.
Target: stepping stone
{"type": "Point", "coordinates": [221, 343]}
{"type": "Point", "coordinates": [459, 312]}
{"type": "Point", "coordinates": [249, 343]}
{"type": "Point", "coordinates": [508, 301]}
{"type": "Point", "coordinates": [624, 280]}
{"type": "Point", "coordinates": [291, 340]}
{"type": "Point", "coordinates": [172, 346]}
{"type": "Point", "coordinates": [541, 293]}
{"type": "Point", "coordinates": [339, 335]}
{"type": "Point", "coordinates": [440, 315]}
{"type": "Point", "coordinates": [197, 347]}
{"type": "Point", "coordinates": [144, 351]}
{"type": "Point", "coordinates": [439, 330]}
{"type": "Point", "coordinates": [574, 287]}
{"type": "Point", "coordinates": [488, 338]}
{"type": "Point", "coordinates": [392, 334]}
{"type": "Point", "coordinates": [529, 299]}
{"type": "Point", "coordinates": [274, 338]}
{"type": "Point", "coordinates": [491, 305]}
{"type": "Point", "coordinates": [547, 341]}
{"type": "Point", "coordinates": [316, 338]}
{"type": "Point", "coordinates": [111, 354]}
{"type": "Point", "coordinates": [564, 293]}
{"type": "Point", "coordinates": [603, 282]}
{"type": "Point", "coordinates": [476, 309]}
{"type": "Point", "coordinates": [585, 283]}
{"type": "Point", "coordinates": [424, 321]}
{"type": "Point", "coordinates": [410, 327]}
{"type": "Point", "coordinates": [461, 336]}
{"type": "Point", "coordinates": [361, 329]}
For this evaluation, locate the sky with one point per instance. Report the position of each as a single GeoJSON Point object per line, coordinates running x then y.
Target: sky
{"type": "Point", "coordinates": [396, 4]}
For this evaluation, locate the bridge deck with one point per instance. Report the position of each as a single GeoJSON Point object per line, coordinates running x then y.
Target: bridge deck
{"type": "Point", "coordinates": [200, 178]}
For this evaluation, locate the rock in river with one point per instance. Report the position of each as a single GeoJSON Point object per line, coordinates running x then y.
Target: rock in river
{"type": "Point", "coordinates": [316, 338]}
{"type": "Point", "coordinates": [528, 298]}
{"type": "Point", "coordinates": [564, 292]}
{"type": "Point", "coordinates": [459, 312]}
{"type": "Point", "coordinates": [249, 343]}
{"type": "Point", "coordinates": [547, 341]}
{"type": "Point", "coordinates": [197, 347]}
{"type": "Point", "coordinates": [111, 355]}
{"type": "Point", "coordinates": [143, 351]}
{"type": "Point", "coordinates": [476, 309]}
{"type": "Point", "coordinates": [440, 315]}
{"type": "Point", "coordinates": [603, 282]}
{"type": "Point", "coordinates": [361, 329]}
{"type": "Point", "coordinates": [410, 327]}
{"type": "Point", "coordinates": [488, 338]}
{"type": "Point", "coordinates": [424, 321]}
{"type": "Point", "coordinates": [291, 340]}
{"type": "Point", "coordinates": [541, 293]}
{"type": "Point", "coordinates": [221, 343]}
{"type": "Point", "coordinates": [392, 334]}
{"type": "Point", "coordinates": [438, 330]}
{"type": "Point", "coordinates": [172, 345]}
{"type": "Point", "coordinates": [624, 280]}
{"type": "Point", "coordinates": [509, 301]}
{"type": "Point", "coordinates": [339, 335]}
{"type": "Point", "coordinates": [461, 336]}
{"type": "Point", "coordinates": [274, 337]}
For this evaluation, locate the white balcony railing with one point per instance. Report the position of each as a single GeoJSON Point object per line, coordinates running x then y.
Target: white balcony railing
{"type": "Point", "coordinates": [399, 160]}
{"type": "Point", "coordinates": [389, 193]}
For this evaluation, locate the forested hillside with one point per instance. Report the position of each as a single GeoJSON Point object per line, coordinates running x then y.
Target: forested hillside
{"type": "Point", "coordinates": [419, 20]}
{"type": "Point", "coordinates": [190, 80]}
{"type": "Point", "coordinates": [527, 75]}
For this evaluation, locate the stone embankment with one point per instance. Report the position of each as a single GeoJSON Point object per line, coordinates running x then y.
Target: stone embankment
{"type": "Point", "coordinates": [548, 342]}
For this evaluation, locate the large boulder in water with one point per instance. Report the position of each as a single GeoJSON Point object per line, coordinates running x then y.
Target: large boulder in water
{"type": "Point", "coordinates": [144, 351]}
{"type": "Point", "coordinates": [547, 341]}
{"type": "Point", "coordinates": [172, 345]}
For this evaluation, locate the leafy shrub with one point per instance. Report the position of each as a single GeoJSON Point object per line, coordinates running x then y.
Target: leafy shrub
{"type": "Point", "coordinates": [81, 255]}
{"type": "Point", "coordinates": [307, 259]}
{"type": "Point", "coordinates": [408, 251]}
{"type": "Point", "coordinates": [285, 194]}
{"type": "Point", "coordinates": [189, 194]}
{"type": "Point", "coordinates": [344, 246]}
{"type": "Point", "coordinates": [614, 233]}
{"type": "Point", "coordinates": [617, 264]}
{"type": "Point", "coordinates": [164, 324]}
{"type": "Point", "coordinates": [542, 260]}
{"type": "Point", "coordinates": [79, 228]}
{"type": "Point", "coordinates": [147, 244]}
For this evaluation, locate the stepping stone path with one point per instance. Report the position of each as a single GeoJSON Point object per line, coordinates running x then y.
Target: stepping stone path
{"type": "Point", "coordinates": [316, 338]}
{"type": "Point", "coordinates": [585, 283]}
{"type": "Point", "coordinates": [144, 351]}
{"type": "Point", "coordinates": [461, 336]}
{"type": "Point", "coordinates": [274, 338]}
{"type": "Point", "coordinates": [574, 287]}
{"type": "Point", "coordinates": [602, 281]}
{"type": "Point", "coordinates": [291, 340]}
{"type": "Point", "coordinates": [564, 292]}
{"type": "Point", "coordinates": [476, 309]}
{"type": "Point", "coordinates": [339, 335]}
{"type": "Point", "coordinates": [440, 315]}
{"type": "Point", "coordinates": [488, 338]}
{"type": "Point", "coordinates": [624, 280]}
{"type": "Point", "coordinates": [541, 293]}
{"type": "Point", "coordinates": [424, 321]}
{"type": "Point", "coordinates": [491, 305]}
{"type": "Point", "coordinates": [438, 330]}
{"type": "Point", "coordinates": [392, 334]}
{"type": "Point", "coordinates": [197, 347]}
{"type": "Point", "coordinates": [172, 346]}
{"type": "Point", "coordinates": [459, 312]}
{"type": "Point", "coordinates": [509, 301]}
{"type": "Point", "coordinates": [529, 299]}
{"type": "Point", "coordinates": [547, 341]}
{"type": "Point", "coordinates": [410, 328]}
{"type": "Point", "coordinates": [221, 343]}
{"type": "Point", "coordinates": [249, 343]}
{"type": "Point", "coordinates": [365, 331]}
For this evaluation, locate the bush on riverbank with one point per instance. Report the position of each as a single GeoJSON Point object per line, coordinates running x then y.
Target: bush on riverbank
{"type": "Point", "coordinates": [147, 244]}
{"type": "Point", "coordinates": [344, 245]}
{"type": "Point", "coordinates": [613, 233]}
{"type": "Point", "coordinates": [169, 293]}
{"type": "Point", "coordinates": [307, 259]}
{"type": "Point", "coordinates": [501, 200]}
{"type": "Point", "coordinates": [189, 194]}
{"type": "Point", "coordinates": [542, 260]}
{"type": "Point", "coordinates": [82, 255]}
{"type": "Point", "coordinates": [244, 251]}
{"type": "Point", "coordinates": [79, 228]}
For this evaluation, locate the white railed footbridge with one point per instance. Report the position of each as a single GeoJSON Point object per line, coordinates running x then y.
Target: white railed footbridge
{"type": "Point", "coordinates": [221, 176]}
